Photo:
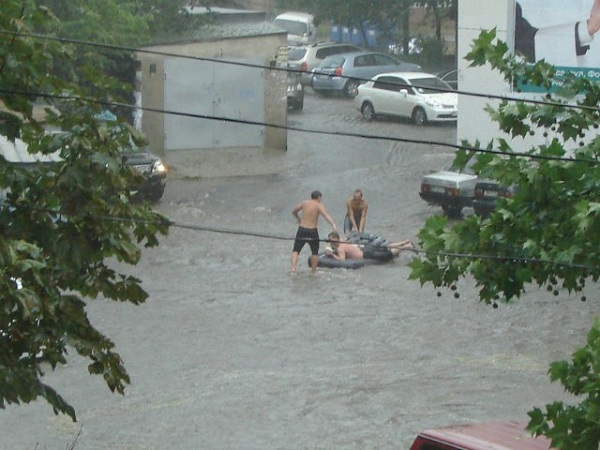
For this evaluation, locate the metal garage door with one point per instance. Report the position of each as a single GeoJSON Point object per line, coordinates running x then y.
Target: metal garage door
{"type": "Point", "coordinates": [216, 90]}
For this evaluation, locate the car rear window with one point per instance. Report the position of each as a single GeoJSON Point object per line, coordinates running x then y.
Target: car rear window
{"type": "Point", "coordinates": [333, 61]}
{"type": "Point", "coordinates": [296, 53]}
{"type": "Point", "coordinates": [323, 53]}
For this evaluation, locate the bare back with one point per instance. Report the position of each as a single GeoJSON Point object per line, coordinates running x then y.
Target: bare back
{"type": "Point", "coordinates": [349, 251]}
{"type": "Point", "coordinates": [311, 209]}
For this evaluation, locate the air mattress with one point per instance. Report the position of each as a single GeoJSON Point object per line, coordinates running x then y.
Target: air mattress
{"type": "Point", "coordinates": [376, 257]}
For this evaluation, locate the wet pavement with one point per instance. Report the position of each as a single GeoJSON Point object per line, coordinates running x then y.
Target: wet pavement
{"type": "Point", "coordinates": [233, 352]}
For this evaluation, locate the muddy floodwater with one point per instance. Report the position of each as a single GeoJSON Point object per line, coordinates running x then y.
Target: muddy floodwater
{"type": "Point", "coordinates": [233, 352]}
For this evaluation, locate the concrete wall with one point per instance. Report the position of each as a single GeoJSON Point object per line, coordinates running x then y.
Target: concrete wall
{"type": "Point", "coordinates": [152, 82]}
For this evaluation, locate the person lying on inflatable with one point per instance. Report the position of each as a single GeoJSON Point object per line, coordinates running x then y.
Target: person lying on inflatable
{"type": "Point", "coordinates": [359, 249]}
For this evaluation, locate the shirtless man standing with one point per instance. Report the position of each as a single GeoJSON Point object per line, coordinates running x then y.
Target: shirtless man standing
{"type": "Point", "coordinates": [307, 229]}
{"type": "Point", "coordinates": [356, 213]}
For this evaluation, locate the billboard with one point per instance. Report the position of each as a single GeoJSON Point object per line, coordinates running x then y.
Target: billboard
{"type": "Point", "coordinates": [564, 33]}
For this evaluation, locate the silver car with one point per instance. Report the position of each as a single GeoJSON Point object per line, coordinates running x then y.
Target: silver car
{"type": "Point", "coordinates": [306, 58]}
{"type": "Point", "coordinates": [345, 72]}
{"type": "Point", "coordinates": [420, 96]}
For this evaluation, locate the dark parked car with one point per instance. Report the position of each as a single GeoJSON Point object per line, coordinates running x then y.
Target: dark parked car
{"type": "Point", "coordinates": [486, 195]}
{"type": "Point", "coordinates": [451, 190]}
{"type": "Point", "coordinates": [295, 92]}
{"type": "Point", "coordinates": [345, 72]}
{"type": "Point", "coordinates": [154, 172]}
{"type": "Point", "coordinates": [148, 164]}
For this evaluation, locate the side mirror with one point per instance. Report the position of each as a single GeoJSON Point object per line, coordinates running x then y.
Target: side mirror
{"type": "Point", "coordinates": [404, 92]}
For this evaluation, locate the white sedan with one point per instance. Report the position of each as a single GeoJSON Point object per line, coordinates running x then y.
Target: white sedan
{"type": "Point", "coordinates": [417, 95]}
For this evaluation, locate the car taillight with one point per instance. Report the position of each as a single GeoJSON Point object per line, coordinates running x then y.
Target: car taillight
{"type": "Point", "coordinates": [338, 71]}
{"type": "Point", "coordinates": [425, 187]}
{"type": "Point", "coordinates": [453, 192]}
{"type": "Point", "coordinates": [304, 67]}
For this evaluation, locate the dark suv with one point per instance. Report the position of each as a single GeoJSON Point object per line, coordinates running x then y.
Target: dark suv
{"type": "Point", "coordinates": [149, 165]}
{"type": "Point", "coordinates": [154, 172]}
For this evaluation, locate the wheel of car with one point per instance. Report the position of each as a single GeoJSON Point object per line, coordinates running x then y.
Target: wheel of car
{"type": "Point", "coordinates": [368, 111]}
{"type": "Point", "coordinates": [155, 195]}
{"type": "Point", "coordinates": [351, 88]}
{"type": "Point", "coordinates": [419, 116]}
{"type": "Point", "coordinates": [452, 212]}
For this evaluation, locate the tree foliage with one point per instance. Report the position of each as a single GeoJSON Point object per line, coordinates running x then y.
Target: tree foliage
{"type": "Point", "coordinates": [107, 22]}
{"type": "Point", "coordinates": [63, 226]}
{"type": "Point", "coordinates": [548, 234]}
{"type": "Point", "coordinates": [574, 426]}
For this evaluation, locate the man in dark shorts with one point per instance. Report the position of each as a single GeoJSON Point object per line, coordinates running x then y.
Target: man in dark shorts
{"type": "Point", "coordinates": [307, 229]}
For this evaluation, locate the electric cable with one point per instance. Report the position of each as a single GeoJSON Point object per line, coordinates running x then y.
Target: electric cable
{"type": "Point", "coordinates": [358, 135]}
{"type": "Point", "coordinates": [219, 230]}
{"type": "Point", "coordinates": [292, 128]}
{"type": "Point", "coordinates": [282, 69]}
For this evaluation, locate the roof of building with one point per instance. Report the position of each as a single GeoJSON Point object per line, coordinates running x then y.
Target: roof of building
{"type": "Point", "coordinates": [215, 32]}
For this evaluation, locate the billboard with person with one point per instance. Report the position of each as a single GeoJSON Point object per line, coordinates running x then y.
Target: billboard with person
{"type": "Point", "coordinates": [564, 34]}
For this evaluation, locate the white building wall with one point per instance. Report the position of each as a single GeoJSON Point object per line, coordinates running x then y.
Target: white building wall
{"type": "Point", "coordinates": [473, 122]}
{"type": "Point", "coordinates": [473, 17]}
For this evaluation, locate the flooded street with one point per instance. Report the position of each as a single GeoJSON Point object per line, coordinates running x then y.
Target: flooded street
{"type": "Point", "coordinates": [233, 352]}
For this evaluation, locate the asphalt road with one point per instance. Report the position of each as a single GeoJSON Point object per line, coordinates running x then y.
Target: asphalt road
{"type": "Point", "coordinates": [232, 352]}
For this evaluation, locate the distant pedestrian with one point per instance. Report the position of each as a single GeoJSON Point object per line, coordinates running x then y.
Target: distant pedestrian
{"type": "Point", "coordinates": [356, 213]}
{"type": "Point", "coordinates": [307, 228]}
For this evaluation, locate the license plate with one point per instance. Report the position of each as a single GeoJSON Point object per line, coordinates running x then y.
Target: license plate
{"type": "Point", "coordinates": [437, 189]}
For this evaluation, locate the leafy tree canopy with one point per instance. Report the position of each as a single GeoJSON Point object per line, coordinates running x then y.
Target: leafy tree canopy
{"type": "Point", "coordinates": [107, 22]}
{"type": "Point", "coordinates": [547, 235]}
{"type": "Point", "coordinates": [63, 226]}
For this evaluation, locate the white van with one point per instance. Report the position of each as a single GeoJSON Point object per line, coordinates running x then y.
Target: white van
{"type": "Point", "coordinates": [299, 26]}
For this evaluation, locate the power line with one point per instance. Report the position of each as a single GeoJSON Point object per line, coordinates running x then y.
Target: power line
{"type": "Point", "coordinates": [514, 259]}
{"type": "Point", "coordinates": [292, 128]}
{"type": "Point", "coordinates": [282, 69]}
{"type": "Point", "coordinates": [508, 258]}
{"type": "Point", "coordinates": [219, 230]}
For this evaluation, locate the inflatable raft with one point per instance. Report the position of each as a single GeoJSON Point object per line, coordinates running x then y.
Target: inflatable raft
{"type": "Point", "coordinates": [379, 253]}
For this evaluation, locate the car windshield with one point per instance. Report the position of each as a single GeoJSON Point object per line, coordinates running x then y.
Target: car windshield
{"type": "Point", "coordinates": [296, 53]}
{"type": "Point", "coordinates": [292, 26]}
{"type": "Point", "coordinates": [432, 85]}
{"type": "Point", "coordinates": [332, 61]}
